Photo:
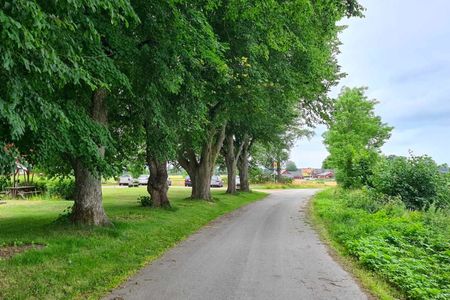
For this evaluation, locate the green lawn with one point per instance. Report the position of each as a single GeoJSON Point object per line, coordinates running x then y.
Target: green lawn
{"type": "Point", "coordinates": [81, 262]}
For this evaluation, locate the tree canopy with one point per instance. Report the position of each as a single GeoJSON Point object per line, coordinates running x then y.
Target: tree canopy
{"type": "Point", "coordinates": [354, 137]}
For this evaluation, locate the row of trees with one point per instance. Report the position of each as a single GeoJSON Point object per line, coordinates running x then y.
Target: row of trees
{"type": "Point", "coordinates": [86, 85]}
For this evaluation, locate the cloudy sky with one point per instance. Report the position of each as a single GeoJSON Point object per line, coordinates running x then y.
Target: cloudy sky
{"type": "Point", "coordinates": [401, 52]}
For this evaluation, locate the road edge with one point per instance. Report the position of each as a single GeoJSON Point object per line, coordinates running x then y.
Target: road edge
{"type": "Point", "coordinates": [370, 283]}
{"type": "Point", "coordinates": [176, 244]}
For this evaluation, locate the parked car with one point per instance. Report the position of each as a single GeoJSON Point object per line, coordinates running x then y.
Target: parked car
{"type": "Point", "coordinates": [143, 179]}
{"type": "Point", "coordinates": [187, 181]}
{"type": "Point", "coordinates": [216, 181]}
{"type": "Point", "coordinates": [128, 180]}
{"type": "Point", "coordinates": [238, 181]}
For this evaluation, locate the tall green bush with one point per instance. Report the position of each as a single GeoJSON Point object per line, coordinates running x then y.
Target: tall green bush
{"type": "Point", "coordinates": [417, 180]}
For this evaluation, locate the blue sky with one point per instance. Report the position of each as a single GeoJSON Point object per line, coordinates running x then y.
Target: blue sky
{"type": "Point", "coordinates": [401, 52]}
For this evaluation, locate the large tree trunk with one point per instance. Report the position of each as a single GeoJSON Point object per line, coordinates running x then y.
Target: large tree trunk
{"type": "Point", "coordinates": [88, 206]}
{"type": "Point", "coordinates": [231, 160]}
{"type": "Point", "coordinates": [243, 166]}
{"type": "Point", "coordinates": [200, 171]}
{"type": "Point", "coordinates": [201, 181]}
{"type": "Point", "coordinates": [157, 185]}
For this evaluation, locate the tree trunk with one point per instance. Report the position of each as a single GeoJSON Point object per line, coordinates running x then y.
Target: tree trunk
{"type": "Point", "coordinates": [201, 171]}
{"type": "Point", "coordinates": [278, 170]}
{"type": "Point", "coordinates": [231, 159]}
{"type": "Point", "coordinates": [201, 181]}
{"type": "Point", "coordinates": [88, 206]}
{"type": "Point", "coordinates": [243, 167]}
{"type": "Point", "coordinates": [157, 185]}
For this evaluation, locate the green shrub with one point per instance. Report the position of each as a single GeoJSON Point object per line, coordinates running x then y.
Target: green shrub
{"type": "Point", "coordinates": [4, 182]}
{"type": "Point", "coordinates": [416, 180]}
{"type": "Point", "coordinates": [256, 175]}
{"type": "Point", "coordinates": [410, 249]}
{"type": "Point", "coordinates": [285, 180]}
{"type": "Point", "coordinates": [62, 188]}
{"type": "Point", "coordinates": [41, 185]}
{"type": "Point", "coordinates": [145, 201]}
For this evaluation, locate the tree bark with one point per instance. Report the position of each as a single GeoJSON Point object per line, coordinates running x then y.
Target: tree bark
{"type": "Point", "coordinates": [278, 170]}
{"type": "Point", "coordinates": [88, 207]}
{"type": "Point", "coordinates": [200, 171]}
{"type": "Point", "coordinates": [157, 185]}
{"type": "Point", "coordinates": [243, 166]}
{"type": "Point", "coordinates": [231, 160]}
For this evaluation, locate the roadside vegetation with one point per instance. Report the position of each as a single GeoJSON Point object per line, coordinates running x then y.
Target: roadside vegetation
{"type": "Point", "coordinates": [391, 214]}
{"type": "Point", "coordinates": [408, 249]}
{"type": "Point", "coordinates": [86, 262]}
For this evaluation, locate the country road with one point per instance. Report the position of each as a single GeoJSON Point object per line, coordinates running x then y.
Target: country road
{"type": "Point", "coordinates": [265, 250]}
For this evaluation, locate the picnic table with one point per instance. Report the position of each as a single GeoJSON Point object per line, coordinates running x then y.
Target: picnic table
{"type": "Point", "coordinates": [21, 191]}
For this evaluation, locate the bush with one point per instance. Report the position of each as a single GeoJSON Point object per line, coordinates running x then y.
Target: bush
{"type": "Point", "coordinates": [41, 185]}
{"type": "Point", "coordinates": [256, 175]}
{"type": "Point", "coordinates": [416, 180]}
{"type": "Point", "coordinates": [4, 182]}
{"type": "Point", "coordinates": [145, 201]}
{"type": "Point", "coordinates": [63, 188]}
{"type": "Point", "coordinates": [285, 180]}
{"type": "Point", "coordinates": [409, 249]}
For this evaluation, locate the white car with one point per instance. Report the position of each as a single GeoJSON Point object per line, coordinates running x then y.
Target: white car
{"type": "Point", "coordinates": [216, 181]}
{"type": "Point", "coordinates": [128, 180]}
{"type": "Point", "coordinates": [143, 179]}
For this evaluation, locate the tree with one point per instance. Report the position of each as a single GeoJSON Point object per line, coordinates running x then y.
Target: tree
{"type": "Point", "coordinates": [176, 56]}
{"type": "Point", "coordinates": [58, 69]}
{"type": "Point", "coordinates": [354, 137]}
{"type": "Point", "coordinates": [282, 60]}
{"type": "Point", "coordinates": [291, 166]}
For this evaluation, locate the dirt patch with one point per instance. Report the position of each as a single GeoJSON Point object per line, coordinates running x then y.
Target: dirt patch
{"type": "Point", "coordinates": [10, 251]}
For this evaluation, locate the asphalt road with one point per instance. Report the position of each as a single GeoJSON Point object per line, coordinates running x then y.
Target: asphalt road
{"type": "Point", "coordinates": [265, 250]}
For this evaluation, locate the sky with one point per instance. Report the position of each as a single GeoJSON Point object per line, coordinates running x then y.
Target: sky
{"type": "Point", "coordinates": [400, 51]}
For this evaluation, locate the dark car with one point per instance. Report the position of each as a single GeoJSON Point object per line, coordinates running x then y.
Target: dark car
{"type": "Point", "coordinates": [187, 181]}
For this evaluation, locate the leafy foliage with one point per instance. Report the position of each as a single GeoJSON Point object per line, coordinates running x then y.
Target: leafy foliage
{"type": "Point", "coordinates": [417, 180]}
{"type": "Point", "coordinates": [291, 166]}
{"type": "Point", "coordinates": [404, 247]}
{"type": "Point", "coordinates": [145, 201]}
{"type": "Point", "coordinates": [354, 137]}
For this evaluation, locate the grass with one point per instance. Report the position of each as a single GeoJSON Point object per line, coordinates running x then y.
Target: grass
{"type": "Point", "coordinates": [394, 252]}
{"type": "Point", "coordinates": [82, 262]}
{"type": "Point", "coordinates": [297, 184]}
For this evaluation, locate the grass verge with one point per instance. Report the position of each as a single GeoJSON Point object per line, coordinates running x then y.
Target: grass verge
{"type": "Point", "coordinates": [394, 252]}
{"type": "Point", "coordinates": [84, 262]}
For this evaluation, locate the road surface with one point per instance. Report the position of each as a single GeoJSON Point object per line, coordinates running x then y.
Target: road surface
{"type": "Point", "coordinates": [265, 250]}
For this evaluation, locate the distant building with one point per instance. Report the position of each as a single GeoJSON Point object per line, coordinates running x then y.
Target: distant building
{"type": "Point", "coordinates": [292, 174]}
{"type": "Point", "coordinates": [308, 173]}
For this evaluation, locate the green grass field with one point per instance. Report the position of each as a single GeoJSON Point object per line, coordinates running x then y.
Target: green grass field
{"type": "Point", "coordinates": [82, 262]}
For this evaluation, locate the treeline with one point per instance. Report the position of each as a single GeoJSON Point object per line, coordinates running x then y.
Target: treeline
{"type": "Point", "coordinates": [86, 85]}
